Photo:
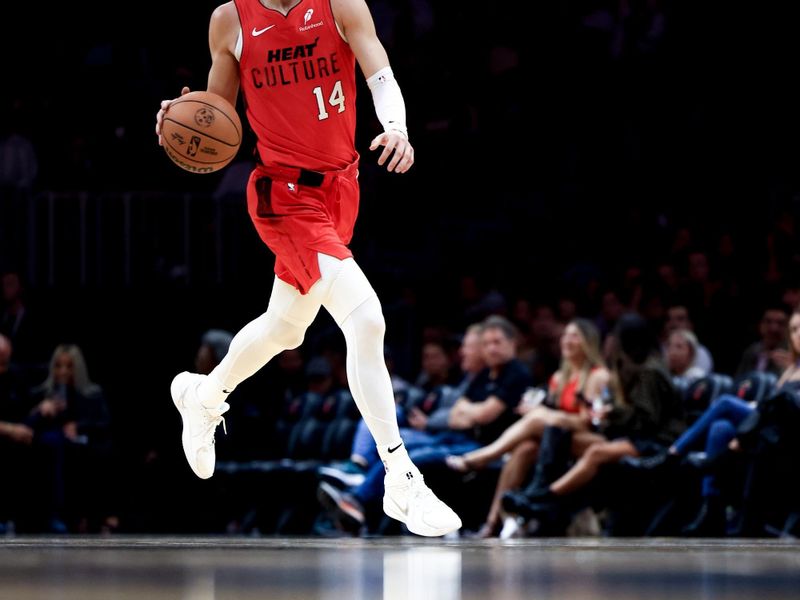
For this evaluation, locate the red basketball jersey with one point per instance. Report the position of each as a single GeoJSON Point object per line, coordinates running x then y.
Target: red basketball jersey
{"type": "Point", "coordinates": [298, 81]}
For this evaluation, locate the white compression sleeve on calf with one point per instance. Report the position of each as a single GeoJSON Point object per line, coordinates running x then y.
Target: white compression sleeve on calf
{"type": "Point", "coordinates": [388, 100]}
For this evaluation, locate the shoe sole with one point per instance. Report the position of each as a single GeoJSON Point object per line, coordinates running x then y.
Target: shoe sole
{"type": "Point", "coordinates": [390, 508]}
{"type": "Point", "coordinates": [326, 494]}
{"type": "Point", "coordinates": [339, 478]}
{"type": "Point", "coordinates": [185, 435]}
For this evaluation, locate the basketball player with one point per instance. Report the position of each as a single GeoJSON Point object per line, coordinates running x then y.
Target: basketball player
{"type": "Point", "coordinates": [295, 63]}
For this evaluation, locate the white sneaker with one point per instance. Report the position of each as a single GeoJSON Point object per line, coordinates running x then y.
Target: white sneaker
{"type": "Point", "coordinates": [513, 527]}
{"type": "Point", "coordinates": [410, 501]}
{"type": "Point", "coordinates": [199, 423]}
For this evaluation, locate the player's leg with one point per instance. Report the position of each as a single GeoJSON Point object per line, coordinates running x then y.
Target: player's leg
{"type": "Point", "coordinates": [354, 306]}
{"type": "Point", "coordinates": [282, 327]}
{"type": "Point", "coordinates": [200, 399]}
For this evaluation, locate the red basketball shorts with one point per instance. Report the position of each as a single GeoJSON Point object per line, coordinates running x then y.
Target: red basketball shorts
{"type": "Point", "coordinates": [299, 213]}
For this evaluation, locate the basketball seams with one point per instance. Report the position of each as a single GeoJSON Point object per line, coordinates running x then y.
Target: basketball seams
{"type": "Point", "coordinates": [176, 150]}
{"type": "Point", "coordinates": [178, 160]}
{"type": "Point", "coordinates": [203, 133]}
{"type": "Point", "coordinates": [194, 159]}
{"type": "Point", "coordinates": [199, 125]}
{"type": "Point", "coordinates": [215, 108]}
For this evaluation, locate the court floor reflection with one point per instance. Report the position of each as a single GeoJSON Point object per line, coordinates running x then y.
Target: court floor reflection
{"type": "Point", "coordinates": [157, 568]}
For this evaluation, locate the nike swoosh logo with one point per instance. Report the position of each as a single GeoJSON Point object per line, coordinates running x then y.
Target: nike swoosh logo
{"type": "Point", "coordinates": [258, 32]}
{"type": "Point", "coordinates": [395, 448]}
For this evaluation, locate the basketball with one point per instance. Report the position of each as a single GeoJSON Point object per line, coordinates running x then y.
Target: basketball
{"type": "Point", "coordinates": [201, 132]}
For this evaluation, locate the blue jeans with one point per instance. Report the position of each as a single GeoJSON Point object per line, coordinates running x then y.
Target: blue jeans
{"type": "Point", "coordinates": [424, 449]}
{"type": "Point", "coordinates": [718, 426]}
{"type": "Point", "coordinates": [364, 444]}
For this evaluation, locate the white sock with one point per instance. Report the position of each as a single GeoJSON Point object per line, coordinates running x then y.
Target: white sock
{"type": "Point", "coordinates": [396, 461]}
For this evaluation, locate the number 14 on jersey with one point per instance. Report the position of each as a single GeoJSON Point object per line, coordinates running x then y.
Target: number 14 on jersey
{"type": "Point", "coordinates": [335, 99]}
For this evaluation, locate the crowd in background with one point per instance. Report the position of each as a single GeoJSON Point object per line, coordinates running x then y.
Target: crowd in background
{"type": "Point", "coordinates": [576, 160]}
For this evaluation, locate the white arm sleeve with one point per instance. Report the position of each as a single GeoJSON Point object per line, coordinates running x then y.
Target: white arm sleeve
{"type": "Point", "coordinates": [388, 100]}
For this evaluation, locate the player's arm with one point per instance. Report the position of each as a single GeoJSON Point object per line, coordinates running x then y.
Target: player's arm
{"type": "Point", "coordinates": [358, 30]}
{"type": "Point", "coordinates": [223, 77]}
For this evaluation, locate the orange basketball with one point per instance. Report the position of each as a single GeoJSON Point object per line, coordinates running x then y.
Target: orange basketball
{"type": "Point", "coordinates": [201, 132]}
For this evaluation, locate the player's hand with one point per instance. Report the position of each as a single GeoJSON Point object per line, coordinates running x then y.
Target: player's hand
{"type": "Point", "coordinates": [160, 116]}
{"type": "Point", "coordinates": [394, 141]}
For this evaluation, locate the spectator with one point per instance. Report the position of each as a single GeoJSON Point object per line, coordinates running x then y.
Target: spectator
{"type": "Point", "coordinates": [15, 445]}
{"type": "Point", "coordinates": [681, 351]}
{"type": "Point", "coordinates": [478, 417]}
{"type": "Point", "coordinates": [643, 421]}
{"type": "Point", "coordinates": [19, 324]}
{"type": "Point", "coordinates": [581, 377]}
{"type": "Point", "coordinates": [70, 420]}
{"type": "Point", "coordinates": [678, 318]}
{"type": "Point", "coordinates": [716, 429]}
{"type": "Point", "coordinates": [421, 426]}
{"type": "Point", "coordinates": [770, 353]}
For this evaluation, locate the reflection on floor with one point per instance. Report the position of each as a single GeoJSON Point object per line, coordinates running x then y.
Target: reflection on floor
{"type": "Point", "coordinates": [156, 568]}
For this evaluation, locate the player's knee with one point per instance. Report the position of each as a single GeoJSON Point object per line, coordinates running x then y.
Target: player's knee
{"type": "Point", "coordinates": [287, 335]}
{"type": "Point", "coordinates": [368, 320]}
{"type": "Point", "coordinates": [294, 338]}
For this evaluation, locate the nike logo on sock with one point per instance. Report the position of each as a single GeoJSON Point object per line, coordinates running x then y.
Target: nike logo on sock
{"type": "Point", "coordinates": [226, 391]}
{"type": "Point", "coordinates": [395, 448]}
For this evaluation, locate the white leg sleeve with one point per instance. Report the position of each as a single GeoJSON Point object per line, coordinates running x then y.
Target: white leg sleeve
{"type": "Point", "coordinates": [355, 307]}
{"type": "Point", "coordinates": [282, 327]}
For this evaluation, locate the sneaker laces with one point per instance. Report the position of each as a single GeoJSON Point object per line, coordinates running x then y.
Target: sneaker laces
{"type": "Point", "coordinates": [211, 420]}
{"type": "Point", "coordinates": [422, 493]}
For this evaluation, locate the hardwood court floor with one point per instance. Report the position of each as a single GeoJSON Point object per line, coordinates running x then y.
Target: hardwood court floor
{"type": "Point", "coordinates": [186, 568]}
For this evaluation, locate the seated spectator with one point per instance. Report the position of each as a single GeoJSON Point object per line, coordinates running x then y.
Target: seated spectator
{"type": "Point", "coordinates": [418, 426]}
{"type": "Point", "coordinates": [770, 353]}
{"type": "Point", "coordinates": [644, 419]}
{"type": "Point", "coordinates": [678, 318]}
{"type": "Point", "coordinates": [715, 431]}
{"type": "Point", "coordinates": [21, 325]}
{"type": "Point", "coordinates": [581, 376]}
{"type": "Point", "coordinates": [15, 444]}
{"type": "Point", "coordinates": [70, 421]}
{"type": "Point", "coordinates": [482, 414]}
{"type": "Point", "coordinates": [436, 368]}
{"type": "Point", "coordinates": [681, 351]}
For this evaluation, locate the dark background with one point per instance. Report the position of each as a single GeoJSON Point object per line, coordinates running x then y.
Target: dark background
{"type": "Point", "coordinates": [563, 148]}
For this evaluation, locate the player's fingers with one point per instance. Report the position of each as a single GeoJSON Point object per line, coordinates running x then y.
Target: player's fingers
{"type": "Point", "coordinates": [388, 148]}
{"type": "Point", "coordinates": [398, 155]}
{"type": "Point", "coordinates": [407, 161]}
{"type": "Point", "coordinates": [387, 151]}
{"type": "Point", "coordinates": [398, 160]}
{"type": "Point", "coordinates": [185, 90]}
{"type": "Point", "coordinates": [379, 140]}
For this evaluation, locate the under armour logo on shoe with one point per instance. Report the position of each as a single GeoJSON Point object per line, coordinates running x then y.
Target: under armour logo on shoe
{"type": "Point", "coordinates": [409, 475]}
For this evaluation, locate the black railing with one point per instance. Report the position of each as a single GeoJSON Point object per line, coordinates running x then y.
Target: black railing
{"type": "Point", "coordinates": [126, 238]}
